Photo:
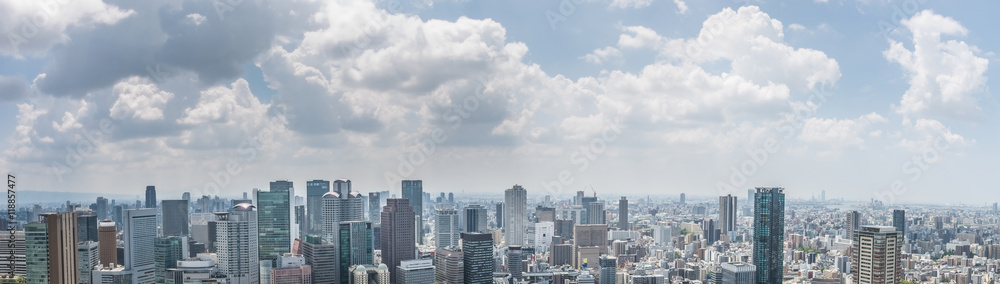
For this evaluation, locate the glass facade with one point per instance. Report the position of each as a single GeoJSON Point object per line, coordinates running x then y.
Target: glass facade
{"type": "Point", "coordinates": [768, 234]}
{"type": "Point", "coordinates": [273, 224]}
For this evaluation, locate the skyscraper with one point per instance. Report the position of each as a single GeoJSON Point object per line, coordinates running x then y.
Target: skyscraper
{"type": "Point", "coordinates": [108, 238]}
{"type": "Point", "coordinates": [397, 234]}
{"type": "Point", "coordinates": [899, 221]}
{"type": "Point", "coordinates": [273, 221]}
{"type": "Point", "coordinates": [738, 273]}
{"type": "Point", "coordinates": [415, 271]}
{"type": "Point", "coordinates": [474, 219]}
{"type": "Point", "coordinates": [414, 191]}
{"type": "Point", "coordinates": [374, 207]}
{"type": "Point", "coordinates": [236, 244]}
{"type": "Point", "coordinates": [710, 231]}
{"type": "Point", "coordinates": [623, 214]}
{"type": "Point", "coordinates": [150, 196]}
{"type": "Point", "coordinates": [515, 262]}
{"type": "Point", "coordinates": [139, 236]}
{"type": "Point", "coordinates": [87, 257]}
{"type": "Point", "coordinates": [86, 222]}
{"type": "Point", "coordinates": [682, 198]}
{"type": "Point", "coordinates": [515, 211]}
{"type": "Point", "coordinates": [281, 185]}
{"type": "Point", "coordinates": [337, 208]}
{"type": "Point", "coordinates": [727, 213]}
{"type": "Point", "coordinates": [477, 253]}
{"type": "Point", "coordinates": [51, 249]}
{"type": "Point", "coordinates": [876, 255]}
{"type": "Point", "coordinates": [498, 215]}
{"type": "Point", "coordinates": [168, 251]}
{"type": "Point", "coordinates": [448, 266]}
{"type": "Point", "coordinates": [853, 223]}
{"type": "Point", "coordinates": [175, 217]}
{"type": "Point", "coordinates": [597, 214]}
{"type": "Point", "coordinates": [102, 208]}
{"type": "Point", "coordinates": [342, 186]}
{"type": "Point", "coordinates": [315, 189]}
{"type": "Point", "coordinates": [322, 256]}
{"type": "Point", "coordinates": [768, 234]}
{"type": "Point", "coordinates": [446, 228]}
{"type": "Point", "coordinates": [355, 247]}
{"type": "Point", "coordinates": [608, 266]}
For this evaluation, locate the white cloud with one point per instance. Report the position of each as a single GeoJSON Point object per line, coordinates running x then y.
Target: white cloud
{"type": "Point", "coordinates": [32, 27]}
{"type": "Point", "coordinates": [196, 18]}
{"type": "Point", "coordinates": [934, 136]}
{"type": "Point", "coordinates": [625, 4]}
{"type": "Point", "coordinates": [796, 27]}
{"type": "Point", "coordinates": [139, 98]}
{"type": "Point", "coordinates": [602, 55]}
{"type": "Point", "coordinates": [838, 133]}
{"type": "Point", "coordinates": [639, 37]}
{"type": "Point", "coordinates": [944, 75]}
{"type": "Point", "coordinates": [682, 8]}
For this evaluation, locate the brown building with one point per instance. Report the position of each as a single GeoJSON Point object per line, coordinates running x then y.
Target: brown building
{"type": "Point", "coordinates": [51, 248]}
{"type": "Point", "coordinates": [107, 235]}
{"type": "Point", "coordinates": [398, 231]}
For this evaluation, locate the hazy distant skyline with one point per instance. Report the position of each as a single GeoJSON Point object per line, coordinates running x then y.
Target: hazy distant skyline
{"type": "Point", "coordinates": [863, 99]}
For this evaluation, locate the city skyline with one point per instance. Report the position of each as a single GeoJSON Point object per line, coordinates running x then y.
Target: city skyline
{"type": "Point", "coordinates": [653, 91]}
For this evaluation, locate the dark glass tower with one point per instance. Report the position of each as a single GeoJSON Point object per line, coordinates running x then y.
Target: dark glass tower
{"type": "Point", "coordinates": [477, 253]}
{"type": "Point", "coordinates": [414, 191]}
{"type": "Point", "coordinates": [899, 221]}
{"type": "Point", "coordinates": [273, 223]}
{"type": "Point", "coordinates": [315, 189]}
{"type": "Point", "coordinates": [150, 196]}
{"type": "Point", "coordinates": [175, 217]}
{"type": "Point", "coordinates": [768, 234]}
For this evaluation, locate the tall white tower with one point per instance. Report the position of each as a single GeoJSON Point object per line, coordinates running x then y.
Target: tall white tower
{"type": "Point", "coordinates": [515, 215]}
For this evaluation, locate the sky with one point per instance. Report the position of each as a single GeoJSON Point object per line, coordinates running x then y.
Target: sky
{"type": "Point", "coordinates": [869, 99]}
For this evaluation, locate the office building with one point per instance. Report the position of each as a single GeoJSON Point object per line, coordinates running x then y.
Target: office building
{"type": "Point", "coordinates": [236, 244]}
{"type": "Point", "coordinates": [544, 231]}
{"type": "Point", "coordinates": [498, 215]}
{"type": "Point", "coordinates": [768, 234]}
{"type": "Point", "coordinates": [315, 189]}
{"type": "Point", "coordinates": [15, 249]}
{"type": "Point", "coordinates": [738, 273]}
{"type": "Point", "coordinates": [168, 251]}
{"type": "Point", "coordinates": [446, 228]}
{"type": "Point", "coordinates": [108, 242]}
{"type": "Point", "coordinates": [337, 209]}
{"type": "Point", "coordinates": [300, 220]}
{"type": "Point", "coordinates": [876, 255]}
{"type": "Point", "coordinates": [343, 187]}
{"type": "Point", "coordinates": [623, 214]}
{"type": "Point", "coordinates": [415, 271]}
{"type": "Point", "coordinates": [710, 231]}
{"type": "Point", "coordinates": [397, 234]}
{"type": "Point", "coordinates": [515, 211]}
{"type": "Point", "coordinates": [448, 263]}
{"type": "Point", "coordinates": [321, 255]}
{"type": "Point", "coordinates": [355, 247]}
{"type": "Point", "coordinates": [414, 191]}
{"type": "Point", "coordinates": [374, 208]}
{"type": "Point", "coordinates": [273, 221]}
{"type": "Point", "coordinates": [853, 223]}
{"type": "Point", "coordinates": [682, 199]}
{"type": "Point", "coordinates": [515, 262]}
{"type": "Point", "coordinates": [727, 214]}
{"type": "Point", "coordinates": [597, 214]}
{"type": "Point", "coordinates": [175, 217]}
{"type": "Point", "coordinates": [608, 265]}
{"type": "Point", "coordinates": [474, 219]}
{"type": "Point", "coordinates": [139, 236]}
{"type": "Point", "coordinates": [301, 274]}
{"type": "Point", "coordinates": [88, 257]}
{"type": "Point", "coordinates": [150, 196]}
{"type": "Point", "coordinates": [51, 254]}
{"type": "Point", "coordinates": [477, 255]}
{"type": "Point", "coordinates": [86, 222]}
{"type": "Point", "coordinates": [899, 221]}
{"type": "Point", "coordinates": [545, 214]}
{"type": "Point", "coordinates": [102, 209]}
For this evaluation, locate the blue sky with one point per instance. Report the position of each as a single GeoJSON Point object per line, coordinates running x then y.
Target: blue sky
{"type": "Point", "coordinates": [629, 96]}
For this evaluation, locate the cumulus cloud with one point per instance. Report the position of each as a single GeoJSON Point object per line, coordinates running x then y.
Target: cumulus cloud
{"type": "Point", "coordinates": [33, 27]}
{"type": "Point", "coordinates": [625, 4]}
{"type": "Point", "coordinates": [839, 133]}
{"type": "Point", "coordinates": [602, 55]}
{"type": "Point", "coordinates": [945, 76]}
{"type": "Point", "coordinates": [682, 8]}
{"type": "Point", "coordinates": [639, 37]}
{"type": "Point", "coordinates": [140, 99]}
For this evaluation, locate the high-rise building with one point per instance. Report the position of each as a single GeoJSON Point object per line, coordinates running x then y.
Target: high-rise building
{"type": "Point", "coordinates": [414, 191]}
{"type": "Point", "coordinates": [86, 224]}
{"type": "Point", "coordinates": [768, 234]}
{"type": "Point", "coordinates": [623, 214]}
{"type": "Point", "coordinates": [301, 220]}
{"type": "Point", "coordinates": [876, 255]}
{"type": "Point", "coordinates": [168, 251]}
{"type": "Point", "coordinates": [738, 273]}
{"type": "Point", "coordinates": [13, 255]}
{"type": "Point", "coordinates": [710, 230]}
{"type": "Point", "coordinates": [301, 274]}
{"type": "Point", "coordinates": [337, 208]}
{"type": "Point", "coordinates": [108, 246]}
{"type": "Point", "coordinates": [585, 218]}
{"type": "Point", "coordinates": [374, 208]}
{"type": "Point", "coordinates": [51, 249]}
{"type": "Point", "coordinates": [342, 186]}
{"type": "Point", "coordinates": [543, 236]}
{"type": "Point", "coordinates": [597, 214]}
{"type": "Point", "coordinates": [515, 262]}
{"type": "Point", "coordinates": [853, 223]}
{"type": "Point", "coordinates": [102, 208]}
{"type": "Point", "coordinates": [175, 217]}
{"type": "Point", "coordinates": [477, 255]}
{"type": "Point", "coordinates": [608, 264]}
{"type": "Point", "coordinates": [236, 244]}
{"type": "Point", "coordinates": [415, 271]}
{"type": "Point", "coordinates": [448, 266]}
{"type": "Point", "coordinates": [397, 234]}
{"type": "Point", "coordinates": [515, 215]}
{"type": "Point", "coordinates": [139, 236]}
{"type": "Point", "coordinates": [281, 185]}
{"type": "Point", "coordinates": [446, 228]}
{"type": "Point", "coordinates": [87, 258]}
{"type": "Point", "coordinates": [315, 189]}
{"type": "Point", "coordinates": [474, 219]}
{"type": "Point", "coordinates": [321, 255]}
{"type": "Point", "coordinates": [273, 221]}
{"type": "Point", "coordinates": [727, 213]}
{"type": "Point", "coordinates": [498, 215]}
{"type": "Point", "coordinates": [545, 214]}
{"type": "Point", "coordinates": [150, 196]}
{"type": "Point", "coordinates": [899, 221]}
{"type": "Point", "coordinates": [355, 247]}
{"type": "Point", "coordinates": [682, 198]}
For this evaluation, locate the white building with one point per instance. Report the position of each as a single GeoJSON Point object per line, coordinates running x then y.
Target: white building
{"type": "Point", "coordinates": [139, 235]}
{"type": "Point", "coordinates": [543, 236]}
{"type": "Point", "coordinates": [236, 244]}
{"type": "Point", "coordinates": [446, 228]}
{"type": "Point", "coordinates": [416, 271]}
{"type": "Point", "coordinates": [88, 257]}
{"type": "Point", "coordinates": [515, 215]}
